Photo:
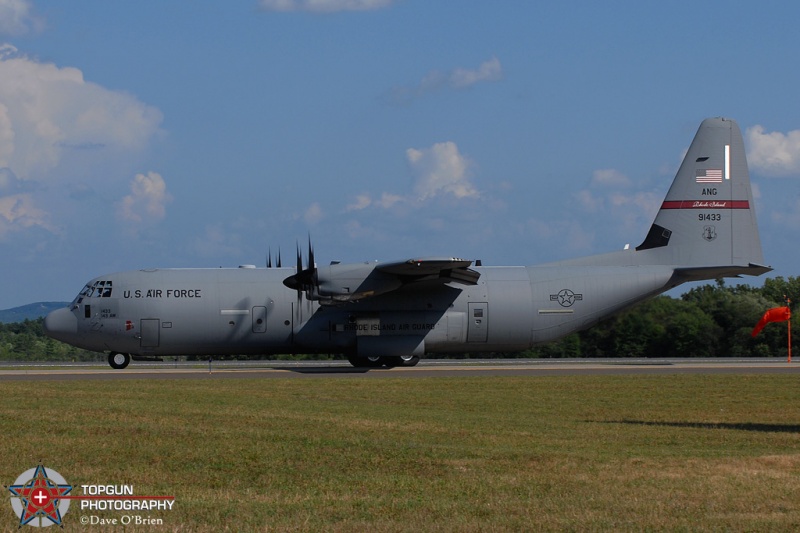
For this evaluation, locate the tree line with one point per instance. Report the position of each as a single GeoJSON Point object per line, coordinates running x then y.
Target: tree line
{"type": "Point", "coordinates": [713, 320]}
{"type": "Point", "coordinates": [25, 341]}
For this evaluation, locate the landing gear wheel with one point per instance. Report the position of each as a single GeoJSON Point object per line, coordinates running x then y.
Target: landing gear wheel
{"type": "Point", "coordinates": [367, 362]}
{"type": "Point", "coordinates": [118, 360]}
{"type": "Point", "coordinates": [373, 361]}
{"type": "Point", "coordinates": [408, 360]}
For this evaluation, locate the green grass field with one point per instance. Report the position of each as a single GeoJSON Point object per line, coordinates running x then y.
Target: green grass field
{"type": "Point", "coordinates": [671, 452]}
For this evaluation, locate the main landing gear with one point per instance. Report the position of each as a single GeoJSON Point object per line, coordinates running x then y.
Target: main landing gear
{"type": "Point", "coordinates": [118, 361]}
{"type": "Point", "coordinates": [383, 361]}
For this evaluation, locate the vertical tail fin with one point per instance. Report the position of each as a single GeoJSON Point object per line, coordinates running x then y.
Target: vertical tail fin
{"type": "Point", "coordinates": [706, 226]}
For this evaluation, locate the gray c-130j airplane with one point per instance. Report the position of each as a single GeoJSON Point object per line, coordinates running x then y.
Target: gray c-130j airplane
{"type": "Point", "coordinates": [392, 313]}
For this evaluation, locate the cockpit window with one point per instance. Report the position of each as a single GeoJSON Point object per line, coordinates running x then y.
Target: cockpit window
{"type": "Point", "coordinates": [98, 289]}
{"type": "Point", "coordinates": [103, 289]}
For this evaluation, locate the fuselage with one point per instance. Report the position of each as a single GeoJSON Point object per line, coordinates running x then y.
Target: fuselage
{"type": "Point", "coordinates": [250, 311]}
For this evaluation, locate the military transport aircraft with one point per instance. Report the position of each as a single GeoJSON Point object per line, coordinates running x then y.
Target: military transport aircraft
{"type": "Point", "coordinates": [392, 313]}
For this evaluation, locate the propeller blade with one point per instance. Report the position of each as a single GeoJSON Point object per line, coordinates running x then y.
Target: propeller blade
{"type": "Point", "coordinates": [299, 284]}
{"type": "Point", "coordinates": [304, 280]}
{"type": "Point", "coordinates": [299, 259]}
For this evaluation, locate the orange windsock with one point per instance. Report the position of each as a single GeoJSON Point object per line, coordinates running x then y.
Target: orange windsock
{"type": "Point", "coordinates": [776, 314]}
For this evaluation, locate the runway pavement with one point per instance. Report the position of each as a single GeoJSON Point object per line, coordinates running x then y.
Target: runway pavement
{"type": "Point", "coordinates": [425, 369]}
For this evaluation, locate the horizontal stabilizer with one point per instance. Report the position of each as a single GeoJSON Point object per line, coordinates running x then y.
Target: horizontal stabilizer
{"type": "Point", "coordinates": [702, 273]}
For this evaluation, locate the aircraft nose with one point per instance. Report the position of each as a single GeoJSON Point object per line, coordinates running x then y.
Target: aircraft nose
{"type": "Point", "coordinates": [61, 324]}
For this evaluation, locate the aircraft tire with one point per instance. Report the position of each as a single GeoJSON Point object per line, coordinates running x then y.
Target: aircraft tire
{"type": "Point", "coordinates": [408, 360]}
{"type": "Point", "coordinates": [118, 360]}
{"type": "Point", "coordinates": [402, 360]}
{"type": "Point", "coordinates": [373, 361]}
{"type": "Point", "coordinates": [366, 362]}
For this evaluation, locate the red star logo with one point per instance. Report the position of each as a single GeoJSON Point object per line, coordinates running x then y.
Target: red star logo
{"type": "Point", "coordinates": [40, 497]}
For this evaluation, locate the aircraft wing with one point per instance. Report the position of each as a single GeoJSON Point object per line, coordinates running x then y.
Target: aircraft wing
{"type": "Point", "coordinates": [445, 269]}
{"type": "Point", "coordinates": [339, 283]}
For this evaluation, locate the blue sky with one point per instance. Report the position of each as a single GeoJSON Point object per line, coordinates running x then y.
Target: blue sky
{"type": "Point", "coordinates": [202, 134]}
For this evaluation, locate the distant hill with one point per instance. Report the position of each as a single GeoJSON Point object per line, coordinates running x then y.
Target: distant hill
{"type": "Point", "coordinates": [30, 311]}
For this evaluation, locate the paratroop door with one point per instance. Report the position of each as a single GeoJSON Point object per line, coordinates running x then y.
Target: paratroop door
{"type": "Point", "coordinates": [478, 322]}
{"type": "Point", "coordinates": [150, 332]}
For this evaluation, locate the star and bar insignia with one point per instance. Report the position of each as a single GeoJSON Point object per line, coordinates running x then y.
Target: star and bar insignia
{"type": "Point", "coordinates": [566, 297]}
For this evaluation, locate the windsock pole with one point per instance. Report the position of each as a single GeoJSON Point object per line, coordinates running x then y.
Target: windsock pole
{"type": "Point", "coordinates": [789, 322]}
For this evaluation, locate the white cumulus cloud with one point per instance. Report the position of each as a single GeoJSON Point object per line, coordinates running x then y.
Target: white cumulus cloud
{"type": "Point", "coordinates": [440, 170]}
{"type": "Point", "coordinates": [46, 111]}
{"type": "Point", "coordinates": [56, 128]}
{"type": "Point", "coordinates": [19, 210]}
{"type": "Point", "coordinates": [17, 18]}
{"type": "Point", "coordinates": [324, 6]}
{"type": "Point", "coordinates": [147, 201]}
{"type": "Point", "coordinates": [6, 137]}
{"type": "Point", "coordinates": [775, 153]}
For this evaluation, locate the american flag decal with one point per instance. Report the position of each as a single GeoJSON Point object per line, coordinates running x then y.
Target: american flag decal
{"type": "Point", "coordinates": [709, 175]}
